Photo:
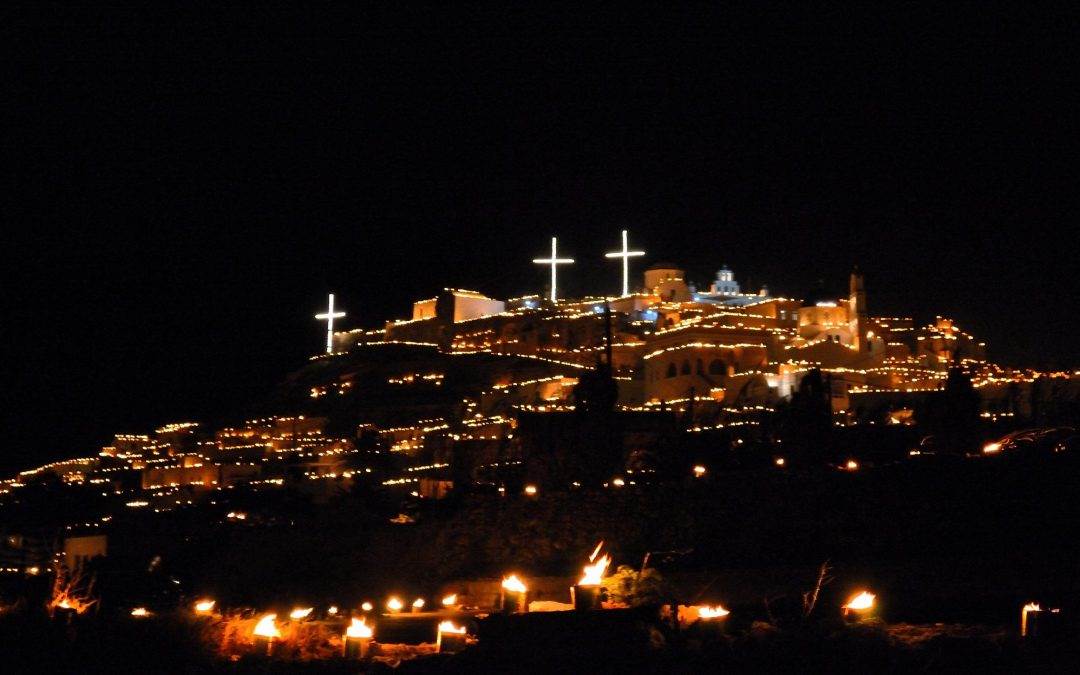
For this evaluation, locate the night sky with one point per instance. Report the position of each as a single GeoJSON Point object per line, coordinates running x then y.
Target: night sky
{"type": "Point", "coordinates": [185, 189]}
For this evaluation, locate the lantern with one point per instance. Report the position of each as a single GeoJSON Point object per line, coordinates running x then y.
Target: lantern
{"type": "Point", "coordinates": [860, 607]}
{"type": "Point", "coordinates": [588, 593]}
{"type": "Point", "coordinates": [358, 638]}
{"type": "Point", "coordinates": [514, 595]}
{"type": "Point", "coordinates": [265, 632]}
{"type": "Point", "coordinates": [451, 638]}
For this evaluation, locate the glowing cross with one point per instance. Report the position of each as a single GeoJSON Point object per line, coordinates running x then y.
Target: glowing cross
{"type": "Point", "coordinates": [329, 317]}
{"type": "Point", "coordinates": [625, 255]}
{"type": "Point", "coordinates": [553, 261]}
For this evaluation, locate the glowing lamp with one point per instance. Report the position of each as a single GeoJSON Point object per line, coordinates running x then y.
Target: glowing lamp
{"type": "Point", "coordinates": [367, 606]}
{"type": "Point", "coordinates": [699, 471]}
{"type": "Point", "coordinates": [779, 461]}
{"type": "Point", "coordinates": [265, 632]}
{"type": "Point", "coordinates": [851, 465]}
{"type": "Point", "coordinates": [530, 490]}
{"type": "Point", "coordinates": [394, 604]}
{"type": "Point", "coordinates": [204, 607]}
{"type": "Point", "coordinates": [860, 606]}
{"type": "Point", "coordinates": [1036, 621]}
{"type": "Point", "coordinates": [358, 636]}
{"type": "Point", "coordinates": [451, 638]}
{"type": "Point", "coordinates": [514, 595]}
{"type": "Point", "coordinates": [708, 613]}
{"type": "Point", "coordinates": [588, 593]}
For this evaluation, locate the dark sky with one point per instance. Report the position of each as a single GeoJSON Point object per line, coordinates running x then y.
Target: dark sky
{"type": "Point", "coordinates": [184, 189]}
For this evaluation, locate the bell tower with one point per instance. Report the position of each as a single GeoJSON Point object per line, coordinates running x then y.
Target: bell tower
{"type": "Point", "coordinates": [857, 319]}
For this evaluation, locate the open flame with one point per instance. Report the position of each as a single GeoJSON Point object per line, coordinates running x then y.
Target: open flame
{"type": "Point", "coordinates": [418, 604]}
{"type": "Point", "coordinates": [512, 583]}
{"type": "Point", "coordinates": [450, 600]}
{"type": "Point", "coordinates": [332, 610]}
{"type": "Point", "coordinates": [1032, 607]}
{"type": "Point", "coordinates": [449, 627]}
{"type": "Point", "coordinates": [594, 573]}
{"type": "Point", "coordinates": [140, 612]}
{"type": "Point", "coordinates": [300, 612]}
{"type": "Point", "coordinates": [359, 629]}
{"type": "Point", "coordinates": [267, 628]}
{"type": "Point", "coordinates": [714, 612]}
{"type": "Point", "coordinates": [204, 606]}
{"type": "Point", "coordinates": [367, 606]}
{"type": "Point", "coordinates": [394, 604]}
{"type": "Point", "coordinates": [861, 601]}
{"type": "Point", "coordinates": [991, 448]}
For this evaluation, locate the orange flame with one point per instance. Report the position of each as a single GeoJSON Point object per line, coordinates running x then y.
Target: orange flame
{"type": "Point", "coordinates": [267, 628]}
{"type": "Point", "coordinates": [359, 629]}
{"type": "Point", "coordinates": [861, 601]}
{"type": "Point", "coordinates": [714, 612]}
{"type": "Point", "coordinates": [450, 600]}
{"type": "Point", "coordinates": [449, 627]}
{"type": "Point", "coordinates": [394, 604]}
{"type": "Point", "coordinates": [512, 583]}
{"type": "Point", "coordinates": [300, 612]}
{"type": "Point", "coordinates": [204, 606]}
{"type": "Point", "coordinates": [140, 612]}
{"type": "Point", "coordinates": [594, 573]}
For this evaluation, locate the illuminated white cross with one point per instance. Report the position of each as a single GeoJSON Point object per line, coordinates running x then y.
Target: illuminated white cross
{"type": "Point", "coordinates": [625, 255]}
{"type": "Point", "coordinates": [553, 261]}
{"type": "Point", "coordinates": [329, 317]}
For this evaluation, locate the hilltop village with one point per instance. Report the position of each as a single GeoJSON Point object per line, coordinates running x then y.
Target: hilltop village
{"type": "Point", "coordinates": [472, 392]}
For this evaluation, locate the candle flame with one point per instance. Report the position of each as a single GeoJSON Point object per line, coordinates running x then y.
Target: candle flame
{"type": "Point", "coordinates": [863, 600]}
{"type": "Point", "coordinates": [594, 573]}
{"type": "Point", "coordinates": [449, 627]}
{"type": "Point", "coordinates": [512, 583]}
{"type": "Point", "coordinates": [266, 627]}
{"type": "Point", "coordinates": [359, 629]}
{"type": "Point", "coordinates": [714, 612]}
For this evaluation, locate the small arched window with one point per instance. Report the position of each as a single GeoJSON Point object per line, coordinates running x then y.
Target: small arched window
{"type": "Point", "coordinates": [685, 368]}
{"type": "Point", "coordinates": [716, 367]}
{"type": "Point", "coordinates": [671, 372]}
